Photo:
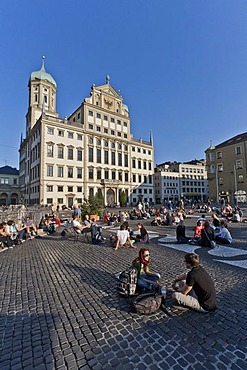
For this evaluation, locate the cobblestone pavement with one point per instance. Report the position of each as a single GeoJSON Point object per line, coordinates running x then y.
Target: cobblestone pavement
{"type": "Point", "coordinates": [60, 310]}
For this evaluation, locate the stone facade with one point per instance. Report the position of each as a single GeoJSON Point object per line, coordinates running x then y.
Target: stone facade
{"type": "Point", "coordinates": [9, 186]}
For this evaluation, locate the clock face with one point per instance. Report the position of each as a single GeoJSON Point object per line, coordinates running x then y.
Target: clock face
{"type": "Point", "coordinates": [108, 103]}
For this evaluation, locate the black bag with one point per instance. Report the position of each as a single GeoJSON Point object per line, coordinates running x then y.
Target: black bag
{"type": "Point", "coordinates": [63, 233]}
{"type": "Point", "coordinates": [147, 303]}
{"type": "Point", "coordinates": [127, 281]}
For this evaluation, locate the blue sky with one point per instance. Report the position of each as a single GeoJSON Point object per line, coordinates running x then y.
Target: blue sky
{"type": "Point", "coordinates": [181, 66]}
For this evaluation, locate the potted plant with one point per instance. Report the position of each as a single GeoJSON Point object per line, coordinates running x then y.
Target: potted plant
{"type": "Point", "coordinates": [93, 206]}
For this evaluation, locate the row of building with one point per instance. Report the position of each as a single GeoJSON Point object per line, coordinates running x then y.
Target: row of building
{"type": "Point", "coordinates": [93, 150]}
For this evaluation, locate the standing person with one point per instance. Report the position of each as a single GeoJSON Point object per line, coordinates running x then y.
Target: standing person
{"type": "Point", "coordinates": [143, 236]}
{"type": "Point", "coordinates": [198, 283]}
{"type": "Point", "coordinates": [145, 278]}
{"type": "Point", "coordinates": [224, 236]}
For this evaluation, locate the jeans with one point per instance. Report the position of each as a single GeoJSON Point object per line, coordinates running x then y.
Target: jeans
{"type": "Point", "coordinates": [144, 284]}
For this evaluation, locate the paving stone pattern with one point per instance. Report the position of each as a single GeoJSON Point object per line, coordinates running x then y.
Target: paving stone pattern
{"type": "Point", "coordinates": [60, 310]}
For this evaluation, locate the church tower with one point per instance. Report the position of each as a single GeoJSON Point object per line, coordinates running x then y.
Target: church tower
{"type": "Point", "coordinates": [42, 96]}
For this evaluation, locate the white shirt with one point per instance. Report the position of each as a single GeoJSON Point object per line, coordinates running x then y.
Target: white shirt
{"type": "Point", "coordinates": [122, 235]}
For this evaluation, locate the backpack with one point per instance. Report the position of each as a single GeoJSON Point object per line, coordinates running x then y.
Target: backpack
{"type": "Point", "coordinates": [127, 281]}
{"type": "Point", "coordinates": [63, 233]}
{"type": "Point", "coordinates": [147, 303]}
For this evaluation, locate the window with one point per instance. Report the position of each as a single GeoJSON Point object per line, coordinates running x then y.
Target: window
{"type": "Point", "coordinates": [90, 126]}
{"type": "Point", "coordinates": [90, 173]}
{"type": "Point", "coordinates": [139, 150]}
{"type": "Point", "coordinates": [145, 179]}
{"type": "Point", "coordinates": [238, 150]}
{"type": "Point", "coordinates": [119, 146]}
{"type": "Point", "coordinates": [70, 153]}
{"type": "Point", "coordinates": [133, 149]}
{"type": "Point", "coordinates": [90, 154]}
{"type": "Point", "coordinates": [126, 177]}
{"type": "Point", "coordinates": [120, 176]}
{"type": "Point", "coordinates": [118, 122]}
{"type": "Point", "coordinates": [150, 166]}
{"type": "Point", "coordinates": [49, 200]}
{"type": "Point", "coordinates": [106, 154]}
{"type": "Point", "coordinates": [90, 140]}
{"type": "Point", "coordinates": [150, 179]}
{"type": "Point", "coordinates": [60, 188]}
{"type": "Point", "coordinates": [70, 135]}
{"type": "Point", "coordinates": [125, 136]}
{"type": "Point", "coordinates": [144, 165]}
{"type": "Point", "coordinates": [98, 174]}
{"type": "Point", "coordinates": [70, 189]}
{"type": "Point", "coordinates": [134, 178]}
{"type": "Point", "coordinates": [49, 170]}
{"type": "Point", "coordinates": [112, 120]}
{"type": "Point", "coordinates": [98, 155]}
{"type": "Point", "coordinates": [49, 188]}
{"type": "Point", "coordinates": [119, 134]}
{"type": "Point", "coordinates": [60, 172]}
{"type": "Point", "coordinates": [139, 178]}
{"type": "Point", "coordinates": [125, 124]}
{"type": "Point", "coordinates": [112, 144]}
{"type": "Point", "coordinates": [112, 132]}
{"type": "Point", "coordinates": [49, 150]}
{"type": "Point", "coordinates": [113, 175]}
{"type": "Point", "coordinates": [220, 167]}
{"type": "Point", "coordinates": [60, 200]}
{"type": "Point", "coordinates": [78, 115]}
{"type": "Point", "coordinates": [133, 163]}
{"type": "Point", "coordinates": [105, 130]}
{"type": "Point", "coordinates": [60, 151]}
{"type": "Point", "coordinates": [98, 142]}
{"type": "Point", "coordinates": [70, 172]}
{"type": "Point", "coordinates": [126, 148]}
{"type": "Point", "coordinates": [126, 160]}
{"type": "Point", "coordinates": [139, 165]}
{"type": "Point", "coordinates": [240, 178]}
{"type": "Point", "coordinates": [98, 115]}
{"type": "Point", "coordinates": [79, 154]}
{"type": "Point", "coordinates": [105, 118]}
{"type": "Point", "coordinates": [220, 181]}
{"type": "Point", "coordinates": [79, 190]}
{"type": "Point", "coordinates": [90, 113]}
{"type": "Point", "coordinates": [120, 159]}
{"type": "Point", "coordinates": [79, 137]}
{"type": "Point", "coordinates": [106, 174]}
{"type": "Point", "coordinates": [79, 173]}
{"type": "Point", "coordinates": [50, 131]}
{"type": "Point", "coordinates": [239, 164]}
{"type": "Point", "coordinates": [61, 133]}
{"type": "Point", "coordinates": [219, 155]}
{"type": "Point", "coordinates": [98, 128]}
{"type": "Point", "coordinates": [113, 158]}
{"type": "Point", "coordinates": [106, 143]}
{"type": "Point", "coordinates": [211, 157]}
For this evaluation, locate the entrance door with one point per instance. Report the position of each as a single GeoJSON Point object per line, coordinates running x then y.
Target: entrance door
{"type": "Point", "coordinates": [110, 198]}
{"type": "Point", "coordinates": [70, 201]}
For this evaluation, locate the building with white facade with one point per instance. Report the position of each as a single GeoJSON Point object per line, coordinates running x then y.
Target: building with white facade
{"type": "Point", "coordinates": [66, 160]}
{"type": "Point", "coordinates": [181, 181]}
{"type": "Point", "coordinates": [9, 186]}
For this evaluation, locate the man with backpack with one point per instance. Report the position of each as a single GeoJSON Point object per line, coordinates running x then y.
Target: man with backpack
{"type": "Point", "coordinates": [196, 289]}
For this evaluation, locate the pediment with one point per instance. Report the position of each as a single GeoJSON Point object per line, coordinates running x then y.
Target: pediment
{"type": "Point", "coordinates": [107, 89]}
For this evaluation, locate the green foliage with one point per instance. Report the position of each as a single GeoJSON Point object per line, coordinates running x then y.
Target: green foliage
{"type": "Point", "coordinates": [93, 205]}
{"type": "Point", "coordinates": [123, 199]}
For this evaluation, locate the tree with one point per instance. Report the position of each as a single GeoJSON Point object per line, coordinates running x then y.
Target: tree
{"type": "Point", "coordinates": [123, 198]}
{"type": "Point", "coordinates": [93, 205]}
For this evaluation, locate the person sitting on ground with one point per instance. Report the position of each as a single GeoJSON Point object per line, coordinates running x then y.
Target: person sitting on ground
{"type": "Point", "coordinates": [198, 230]}
{"type": "Point", "coordinates": [130, 230]}
{"type": "Point", "coordinates": [202, 219]}
{"type": "Point", "coordinates": [123, 238]}
{"type": "Point", "coordinates": [96, 229]}
{"type": "Point", "coordinates": [180, 233]}
{"type": "Point", "coordinates": [207, 235]}
{"type": "Point", "coordinates": [29, 228]}
{"type": "Point", "coordinates": [143, 236]}
{"type": "Point", "coordinates": [216, 221]}
{"type": "Point", "coordinates": [224, 236]}
{"type": "Point", "coordinates": [145, 278]}
{"type": "Point", "coordinates": [21, 230]}
{"type": "Point", "coordinates": [157, 221]}
{"type": "Point", "coordinates": [5, 237]}
{"type": "Point", "coordinates": [196, 289]}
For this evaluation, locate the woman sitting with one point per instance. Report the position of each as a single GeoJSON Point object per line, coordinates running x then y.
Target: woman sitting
{"type": "Point", "coordinates": [5, 237]}
{"type": "Point", "coordinates": [143, 236]}
{"type": "Point", "coordinates": [146, 280]}
{"type": "Point", "coordinates": [198, 230]}
{"type": "Point", "coordinates": [207, 235]}
{"type": "Point", "coordinates": [224, 236]}
{"type": "Point", "coordinates": [180, 233]}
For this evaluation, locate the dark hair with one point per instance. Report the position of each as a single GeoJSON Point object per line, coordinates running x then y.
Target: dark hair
{"type": "Point", "coordinates": [123, 227]}
{"type": "Point", "coordinates": [192, 259]}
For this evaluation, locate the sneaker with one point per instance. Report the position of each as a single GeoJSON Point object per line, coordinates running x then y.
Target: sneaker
{"type": "Point", "coordinates": [11, 247]}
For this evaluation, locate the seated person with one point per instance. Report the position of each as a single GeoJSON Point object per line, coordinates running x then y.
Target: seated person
{"type": "Point", "coordinates": [207, 235]}
{"type": "Point", "coordinates": [29, 227]}
{"type": "Point", "coordinates": [78, 227]}
{"type": "Point", "coordinates": [224, 236]}
{"type": "Point", "coordinates": [21, 230]}
{"type": "Point", "coordinates": [145, 278]}
{"type": "Point", "coordinates": [198, 230]}
{"type": "Point", "coordinates": [157, 221]}
{"type": "Point", "coordinates": [143, 236]}
{"type": "Point", "coordinates": [196, 289]}
{"type": "Point", "coordinates": [123, 238]}
{"type": "Point", "coordinates": [5, 237]}
{"type": "Point", "coordinates": [180, 233]}
{"type": "Point", "coordinates": [95, 229]}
